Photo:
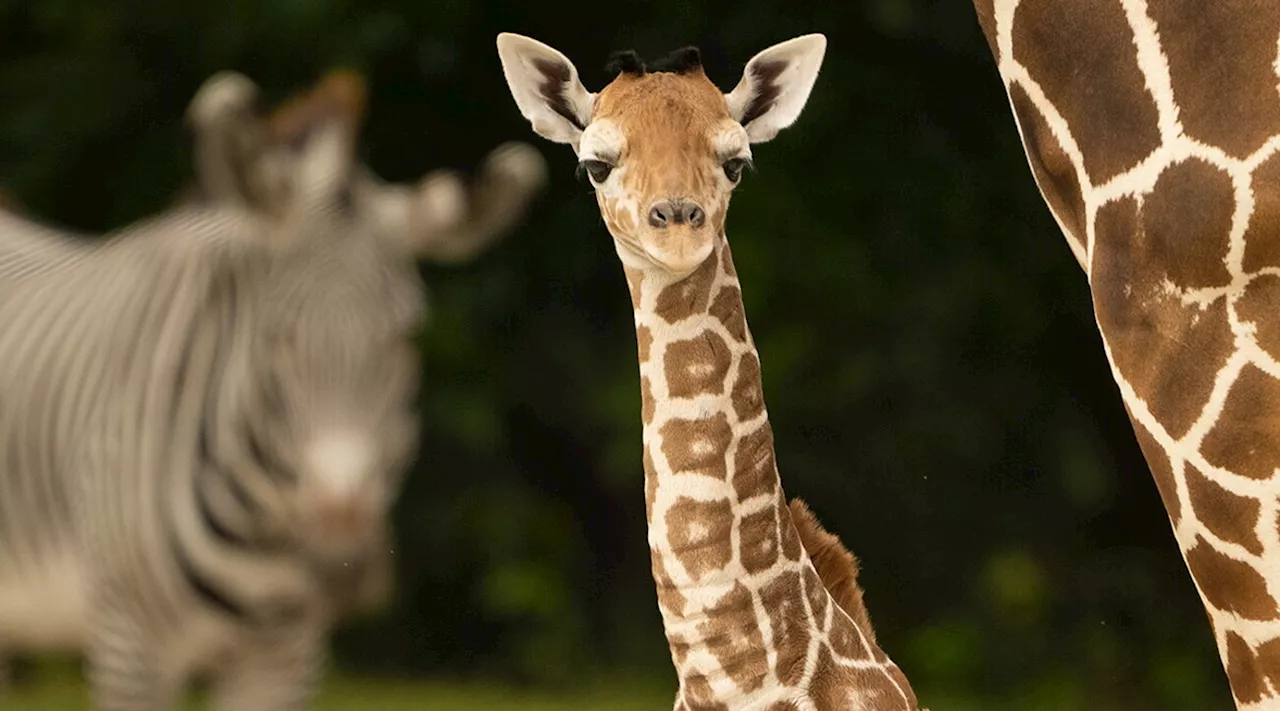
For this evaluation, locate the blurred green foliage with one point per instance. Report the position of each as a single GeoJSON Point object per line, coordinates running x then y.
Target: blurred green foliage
{"type": "Point", "coordinates": [937, 384]}
{"type": "Point", "coordinates": [58, 687]}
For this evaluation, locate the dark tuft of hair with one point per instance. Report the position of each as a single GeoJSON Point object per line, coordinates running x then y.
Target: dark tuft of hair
{"type": "Point", "coordinates": [680, 61]}
{"type": "Point", "coordinates": [625, 62]}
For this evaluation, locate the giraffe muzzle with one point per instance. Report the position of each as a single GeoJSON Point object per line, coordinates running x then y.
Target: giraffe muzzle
{"type": "Point", "coordinates": [665, 213]}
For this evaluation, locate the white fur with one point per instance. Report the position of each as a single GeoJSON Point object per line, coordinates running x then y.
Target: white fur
{"type": "Point", "coordinates": [602, 140]}
{"type": "Point", "coordinates": [45, 611]}
{"type": "Point", "coordinates": [340, 461]}
{"type": "Point", "coordinates": [219, 96]}
{"type": "Point", "coordinates": [518, 55]}
{"type": "Point", "coordinates": [803, 58]}
{"type": "Point", "coordinates": [731, 141]}
{"type": "Point", "coordinates": [441, 201]}
{"type": "Point", "coordinates": [326, 160]}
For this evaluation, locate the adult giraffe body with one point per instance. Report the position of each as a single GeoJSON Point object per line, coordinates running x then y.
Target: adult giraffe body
{"type": "Point", "coordinates": [760, 605]}
{"type": "Point", "coordinates": [1153, 132]}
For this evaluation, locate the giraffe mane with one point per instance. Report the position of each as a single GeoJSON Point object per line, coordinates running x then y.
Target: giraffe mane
{"type": "Point", "coordinates": [836, 565]}
{"type": "Point", "coordinates": [680, 61]}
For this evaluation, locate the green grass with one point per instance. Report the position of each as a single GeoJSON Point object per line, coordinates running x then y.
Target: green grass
{"type": "Point", "coordinates": [65, 691]}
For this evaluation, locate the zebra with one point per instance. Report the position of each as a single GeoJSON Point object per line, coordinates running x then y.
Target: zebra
{"type": "Point", "coordinates": [205, 415]}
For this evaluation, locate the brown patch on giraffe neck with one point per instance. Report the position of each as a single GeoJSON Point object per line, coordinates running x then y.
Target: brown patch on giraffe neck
{"type": "Point", "coordinates": [1051, 167]}
{"type": "Point", "coordinates": [727, 308]}
{"type": "Point", "coordinates": [697, 366]}
{"type": "Point", "coordinates": [783, 598]}
{"type": "Point", "coordinates": [837, 688]}
{"type": "Point", "coordinates": [846, 643]}
{"type": "Point", "coordinates": [670, 600]}
{"type": "Point", "coordinates": [1227, 98]}
{"type": "Point", "coordinates": [1081, 53]}
{"type": "Point", "coordinates": [758, 541]}
{"type": "Point", "coordinates": [1168, 351]}
{"type": "Point", "coordinates": [1247, 683]}
{"type": "Point", "coordinates": [647, 404]}
{"type": "Point", "coordinates": [1244, 438]}
{"type": "Point", "coordinates": [733, 636]}
{"type": "Point", "coordinates": [1262, 237]}
{"type": "Point", "coordinates": [748, 389]}
{"type": "Point", "coordinates": [754, 470]}
{"type": "Point", "coordinates": [816, 593]}
{"type": "Point", "coordinates": [644, 341]}
{"type": "Point", "coordinates": [1228, 516]}
{"type": "Point", "coordinates": [635, 284]}
{"type": "Point", "coordinates": [1258, 306]}
{"type": "Point", "coordinates": [1228, 584]}
{"type": "Point", "coordinates": [696, 694]}
{"type": "Point", "coordinates": [697, 446]}
{"type": "Point", "coordinates": [1186, 223]}
{"type": "Point", "coordinates": [1267, 658]}
{"type": "Point", "coordinates": [690, 295]}
{"type": "Point", "coordinates": [650, 483]}
{"type": "Point", "coordinates": [1161, 469]}
{"type": "Point", "coordinates": [699, 535]}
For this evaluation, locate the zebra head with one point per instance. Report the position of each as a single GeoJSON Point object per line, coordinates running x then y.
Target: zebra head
{"type": "Point", "coordinates": [333, 367]}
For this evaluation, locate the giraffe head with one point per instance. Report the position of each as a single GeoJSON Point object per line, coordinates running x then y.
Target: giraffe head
{"type": "Point", "coordinates": [663, 147]}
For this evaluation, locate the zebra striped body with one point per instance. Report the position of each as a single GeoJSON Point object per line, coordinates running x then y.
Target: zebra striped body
{"type": "Point", "coordinates": [132, 488]}
{"type": "Point", "coordinates": [203, 421]}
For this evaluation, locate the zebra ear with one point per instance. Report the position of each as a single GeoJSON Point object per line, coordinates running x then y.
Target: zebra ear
{"type": "Point", "coordinates": [445, 220]}
{"type": "Point", "coordinates": [318, 132]}
{"type": "Point", "coordinates": [227, 132]}
{"type": "Point", "coordinates": [302, 154]}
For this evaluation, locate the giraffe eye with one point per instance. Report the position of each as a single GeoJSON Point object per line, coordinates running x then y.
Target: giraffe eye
{"type": "Point", "coordinates": [597, 169]}
{"type": "Point", "coordinates": [733, 168]}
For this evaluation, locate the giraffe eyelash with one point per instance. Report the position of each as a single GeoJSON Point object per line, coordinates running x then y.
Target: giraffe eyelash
{"type": "Point", "coordinates": [599, 170]}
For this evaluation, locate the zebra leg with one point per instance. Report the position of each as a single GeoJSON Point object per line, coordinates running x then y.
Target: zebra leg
{"type": "Point", "coordinates": [272, 672]}
{"type": "Point", "coordinates": [126, 671]}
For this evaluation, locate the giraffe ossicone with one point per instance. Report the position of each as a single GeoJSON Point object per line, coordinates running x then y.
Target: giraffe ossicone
{"type": "Point", "coordinates": [760, 605]}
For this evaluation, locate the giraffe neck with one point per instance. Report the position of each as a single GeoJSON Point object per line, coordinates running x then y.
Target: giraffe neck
{"type": "Point", "coordinates": [1160, 160]}
{"type": "Point", "coordinates": [745, 613]}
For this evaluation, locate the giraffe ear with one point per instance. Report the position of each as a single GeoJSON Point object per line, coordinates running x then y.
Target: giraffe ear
{"type": "Point", "coordinates": [546, 87]}
{"type": "Point", "coordinates": [775, 86]}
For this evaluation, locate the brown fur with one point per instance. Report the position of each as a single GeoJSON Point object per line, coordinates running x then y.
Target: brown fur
{"type": "Point", "coordinates": [836, 565]}
{"type": "Point", "coordinates": [343, 93]}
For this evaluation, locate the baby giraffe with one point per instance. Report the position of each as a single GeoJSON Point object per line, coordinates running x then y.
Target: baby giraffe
{"type": "Point", "coordinates": [760, 605]}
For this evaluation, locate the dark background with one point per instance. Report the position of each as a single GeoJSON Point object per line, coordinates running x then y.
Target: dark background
{"type": "Point", "coordinates": [935, 378]}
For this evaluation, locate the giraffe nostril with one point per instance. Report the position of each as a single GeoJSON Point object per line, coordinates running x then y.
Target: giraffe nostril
{"type": "Point", "coordinates": [676, 212]}
{"type": "Point", "coordinates": [660, 214]}
{"type": "Point", "coordinates": [694, 215]}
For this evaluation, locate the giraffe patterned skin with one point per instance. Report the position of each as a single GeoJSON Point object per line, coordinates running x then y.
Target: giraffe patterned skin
{"type": "Point", "coordinates": [1152, 130]}
{"type": "Point", "coordinates": [760, 606]}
